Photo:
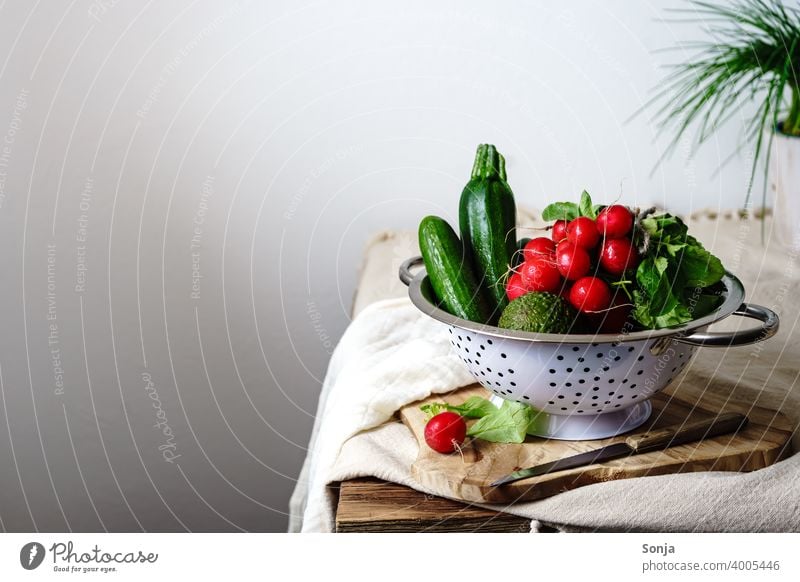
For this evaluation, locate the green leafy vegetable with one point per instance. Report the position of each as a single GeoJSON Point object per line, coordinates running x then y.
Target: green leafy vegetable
{"type": "Point", "coordinates": [570, 211]}
{"type": "Point", "coordinates": [700, 267]}
{"type": "Point", "coordinates": [673, 275]}
{"type": "Point", "coordinates": [561, 211]}
{"type": "Point", "coordinates": [585, 207]}
{"type": "Point", "coordinates": [474, 407]}
{"type": "Point", "coordinates": [508, 424]}
{"type": "Point", "coordinates": [434, 408]}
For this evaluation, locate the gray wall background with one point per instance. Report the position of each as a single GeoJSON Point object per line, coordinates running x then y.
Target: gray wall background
{"type": "Point", "coordinates": [185, 191]}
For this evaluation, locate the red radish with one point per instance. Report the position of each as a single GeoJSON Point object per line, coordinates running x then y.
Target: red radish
{"type": "Point", "coordinates": [540, 275]}
{"type": "Point", "coordinates": [617, 316]}
{"type": "Point", "coordinates": [613, 320]}
{"type": "Point", "coordinates": [445, 432]}
{"type": "Point", "coordinates": [590, 295]}
{"type": "Point", "coordinates": [563, 290]}
{"type": "Point", "coordinates": [617, 255]}
{"type": "Point", "coordinates": [559, 230]}
{"type": "Point", "coordinates": [583, 232]}
{"type": "Point", "coordinates": [614, 221]}
{"type": "Point", "coordinates": [573, 261]}
{"type": "Point", "coordinates": [515, 287]}
{"type": "Point", "coordinates": [538, 247]}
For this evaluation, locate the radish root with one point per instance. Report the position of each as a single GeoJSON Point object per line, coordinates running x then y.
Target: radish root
{"type": "Point", "coordinates": [460, 451]}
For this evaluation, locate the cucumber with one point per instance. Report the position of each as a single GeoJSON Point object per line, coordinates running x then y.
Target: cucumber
{"type": "Point", "coordinates": [487, 220]}
{"type": "Point", "coordinates": [450, 270]}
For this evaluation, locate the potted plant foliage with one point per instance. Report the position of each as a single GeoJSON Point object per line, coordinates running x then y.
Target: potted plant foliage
{"type": "Point", "coordinates": [752, 55]}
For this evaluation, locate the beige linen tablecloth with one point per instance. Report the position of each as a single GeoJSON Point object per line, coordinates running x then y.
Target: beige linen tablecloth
{"type": "Point", "coordinates": [767, 374]}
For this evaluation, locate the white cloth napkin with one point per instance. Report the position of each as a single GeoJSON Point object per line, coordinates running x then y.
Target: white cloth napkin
{"type": "Point", "coordinates": [389, 356]}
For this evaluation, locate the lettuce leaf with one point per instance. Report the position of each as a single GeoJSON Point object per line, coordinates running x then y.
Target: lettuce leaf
{"type": "Point", "coordinates": [507, 424]}
{"type": "Point", "coordinates": [473, 407]}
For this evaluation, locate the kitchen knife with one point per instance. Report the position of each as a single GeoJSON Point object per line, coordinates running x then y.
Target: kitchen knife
{"type": "Point", "coordinates": [654, 440]}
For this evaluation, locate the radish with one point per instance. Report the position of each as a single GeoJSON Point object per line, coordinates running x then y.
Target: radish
{"type": "Point", "coordinates": [515, 287]}
{"type": "Point", "coordinates": [583, 232]}
{"type": "Point", "coordinates": [539, 247]}
{"type": "Point", "coordinates": [540, 275]}
{"type": "Point", "coordinates": [559, 230]}
{"type": "Point", "coordinates": [590, 295]}
{"type": "Point", "coordinates": [614, 221]}
{"type": "Point", "coordinates": [445, 432]}
{"type": "Point", "coordinates": [617, 315]}
{"type": "Point", "coordinates": [617, 255]}
{"type": "Point", "coordinates": [573, 262]}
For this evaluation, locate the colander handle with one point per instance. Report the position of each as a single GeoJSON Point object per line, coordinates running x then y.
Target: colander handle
{"type": "Point", "coordinates": [405, 269]}
{"type": "Point", "coordinates": [754, 335]}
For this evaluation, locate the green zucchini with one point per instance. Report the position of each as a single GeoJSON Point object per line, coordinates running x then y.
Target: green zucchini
{"type": "Point", "coordinates": [487, 220]}
{"type": "Point", "coordinates": [450, 270]}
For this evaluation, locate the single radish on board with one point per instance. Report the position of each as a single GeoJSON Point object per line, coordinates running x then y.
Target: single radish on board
{"type": "Point", "coordinates": [445, 432]}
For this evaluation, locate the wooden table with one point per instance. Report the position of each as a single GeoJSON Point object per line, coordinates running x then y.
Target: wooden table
{"type": "Point", "coordinates": [372, 505]}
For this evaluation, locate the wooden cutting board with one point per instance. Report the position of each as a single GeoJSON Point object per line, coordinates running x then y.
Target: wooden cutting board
{"type": "Point", "coordinates": [765, 440]}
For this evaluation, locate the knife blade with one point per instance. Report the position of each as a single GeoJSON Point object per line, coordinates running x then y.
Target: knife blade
{"type": "Point", "coordinates": [653, 440]}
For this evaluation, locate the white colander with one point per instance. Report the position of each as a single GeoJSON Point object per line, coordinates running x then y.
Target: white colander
{"type": "Point", "coordinates": [585, 386]}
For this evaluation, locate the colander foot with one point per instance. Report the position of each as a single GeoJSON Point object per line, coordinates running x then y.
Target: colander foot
{"type": "Point", "coordinates": [578, 427]}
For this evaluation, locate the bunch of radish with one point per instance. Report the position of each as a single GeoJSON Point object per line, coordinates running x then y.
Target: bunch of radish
{"type": "Point", "coordinates": [579, 262]}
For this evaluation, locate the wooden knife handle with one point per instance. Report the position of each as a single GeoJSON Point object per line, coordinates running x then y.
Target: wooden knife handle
{"type": "Point", "coordinates": [679, 434]}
